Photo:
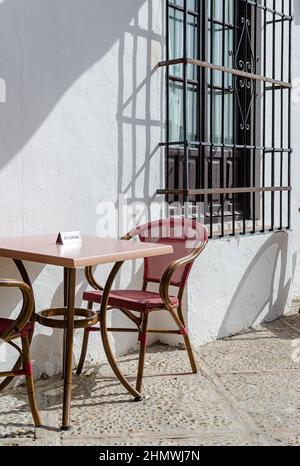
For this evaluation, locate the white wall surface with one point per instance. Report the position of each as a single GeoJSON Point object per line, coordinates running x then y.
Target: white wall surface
{"type": "Point", "coordinates": [83, 118]}
{"type": "Point", "coordinates": [81, 126]}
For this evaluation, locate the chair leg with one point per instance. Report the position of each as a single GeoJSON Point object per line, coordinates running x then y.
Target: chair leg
{"type": "Point", "coordinates": [84, 348]}
{"type": "Point", "coordinates": [143, 346]}
{"type": "Point", "coordinates": [83, 351]}
{"type": "Point", "coordinates": [30, 382]}
{"type": "Point", "coordinates": [179, 320]}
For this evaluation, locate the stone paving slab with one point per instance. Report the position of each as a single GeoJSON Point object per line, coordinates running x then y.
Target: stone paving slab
{"type": "Point", "coordinates": [15, 419]}
{"type": "Point", "coordinates": [204, 440]}
{"type": "Point", "coordinates": [255, 351]}
{"type": "Point", "coordinates": [247, 392]}
{"type": "Point", "coordinates": [171, 403]}
{"type": "Point", "coordinates": [292, 320]}
{"type": "Point", "coordinates": [271, 399]}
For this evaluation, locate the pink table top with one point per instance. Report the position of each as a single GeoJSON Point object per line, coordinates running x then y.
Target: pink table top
{"type": "Point", "coordinates": [92, 250]}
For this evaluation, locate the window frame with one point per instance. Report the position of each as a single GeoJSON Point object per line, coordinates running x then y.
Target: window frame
{"type": "Point", "coordinates": [253, 195]}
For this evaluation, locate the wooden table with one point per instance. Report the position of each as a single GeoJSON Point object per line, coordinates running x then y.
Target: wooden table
{"type": "Point", "coordinates": [92, 251]}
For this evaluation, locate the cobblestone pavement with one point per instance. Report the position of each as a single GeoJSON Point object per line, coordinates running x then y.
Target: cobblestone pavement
{"type": "Point", "coordinates": [247, 392]}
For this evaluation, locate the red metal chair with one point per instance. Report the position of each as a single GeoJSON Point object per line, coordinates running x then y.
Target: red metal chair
{"type": "Point", "coordinates": [188, 239]}
{"type": "Point", "coordinates": [21, 328]}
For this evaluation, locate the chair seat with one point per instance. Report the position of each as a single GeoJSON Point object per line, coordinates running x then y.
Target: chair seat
{"type": "Point", "coordinates": [131, 300]}
{"type": "Point", "coordinates": [5, 323]}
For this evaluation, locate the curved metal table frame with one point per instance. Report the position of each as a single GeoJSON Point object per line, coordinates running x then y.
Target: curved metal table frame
{"type": "Point", "coordinates": [104, 333]}
{"type": "Point", "coordinates": [69, 303]}
{"type": "Point", "coordinates": [92, 251]}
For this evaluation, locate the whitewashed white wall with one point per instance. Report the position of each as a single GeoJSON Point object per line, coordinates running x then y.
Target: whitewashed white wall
{"type": "Point", "coordinates": [83, 118]}
{"type": "Point", "coordinates": [83, 115]}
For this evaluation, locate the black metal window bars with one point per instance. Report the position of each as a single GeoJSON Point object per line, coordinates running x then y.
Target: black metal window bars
{"type": "Point", "coordinates": [258, 198]}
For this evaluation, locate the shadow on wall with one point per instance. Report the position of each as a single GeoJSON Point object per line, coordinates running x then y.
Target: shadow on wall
{"type": "Point", "coordinates": [130, 115]}
{"type": "Point", "coordinates": [263, 291]}
{"type": "Point", "coordinates": [143, 122]}
{"type": "Point", "coordinates": [296, 12]}
{"type": "Point", "coordinates": [49, 44]}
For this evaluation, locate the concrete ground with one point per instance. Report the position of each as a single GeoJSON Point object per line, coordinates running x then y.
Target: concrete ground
{"type": "Point", "coordinates": [247, 392]}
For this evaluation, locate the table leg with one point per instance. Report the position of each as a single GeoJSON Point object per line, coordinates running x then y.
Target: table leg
{"type": "Point", "coordinates": [66, 276]}
{"type": "Point", "coordinates": [104, 333]}
{"type": "Point", "coordinates": [69, 348]}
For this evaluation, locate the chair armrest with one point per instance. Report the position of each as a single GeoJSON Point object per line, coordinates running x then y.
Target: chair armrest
{"type": "Point", "coordinates": [167, 277]}
{"type": "Point", "coordinates": [89, 275]}
{"type": "Point", "coordinates": [27, 307]}
{"type": "Point", "coordinates": [171, 269]}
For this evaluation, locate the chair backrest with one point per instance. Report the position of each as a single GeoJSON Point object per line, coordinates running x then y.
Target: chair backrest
{"type": "Point", "coordinates": [185, 235]}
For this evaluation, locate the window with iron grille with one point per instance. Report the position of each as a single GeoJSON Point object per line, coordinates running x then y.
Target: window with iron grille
{"type": "Point", "coordinates": [228, 105]}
